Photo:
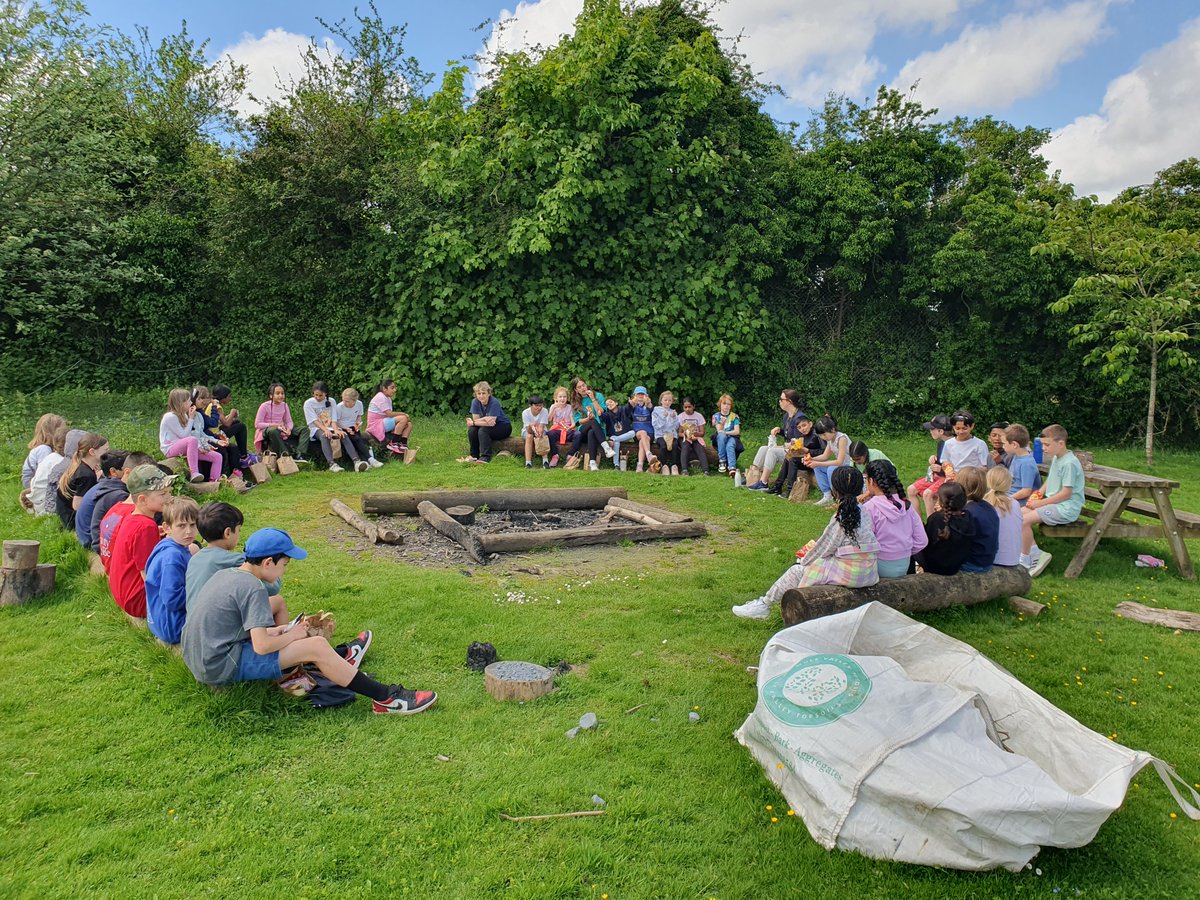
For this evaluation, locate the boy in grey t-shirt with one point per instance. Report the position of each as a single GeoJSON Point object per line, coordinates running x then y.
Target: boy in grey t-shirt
{"type": "Point", "coordinates": [230, 634]}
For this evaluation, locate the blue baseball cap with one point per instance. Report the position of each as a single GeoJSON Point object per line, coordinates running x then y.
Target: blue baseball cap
{"type": "Point", "coordinates": [640, 390]}
{"type": "Point", "coordinates": [272, 542]}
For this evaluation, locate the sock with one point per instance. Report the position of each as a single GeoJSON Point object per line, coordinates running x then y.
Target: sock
{"type": "Point", "coordinates": [1024, 560]}
{"type": "Point", "coordinates": [367, 686]}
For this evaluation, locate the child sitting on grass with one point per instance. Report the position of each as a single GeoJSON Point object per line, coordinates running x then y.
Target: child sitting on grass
{"type": "Point", "coordinates": [982, 555]}
{"type": "Point", "coordinates": [844, 554]}
{"type": "Point", "coordinates": [231, 634]}
{"type": "Point", "coordinates": [897, 525]}
{"type": "Point", "coordinates": [1062, 500]}
{"type": "Point", "coordinates": [135, 539]}
{"type": "Point", "coordinates": [39, 448]}
{"type": "Point", "coordinates": [220, 525]}
{"type": "Point", "coordinates": [166, 570]}
{"type": "Point", "coordinates": [1008, 549]}
{"type": "Point", "coordinates": [42, 485]}
{"type": "Point", "coordinates": [112, 464]}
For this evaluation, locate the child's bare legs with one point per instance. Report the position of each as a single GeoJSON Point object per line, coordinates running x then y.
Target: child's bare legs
{"type": "Point", "coordinates": [403, 426]}
{"type": "Point", "coordinates": [930, 498]}
{"type": "Point", "coordinates": [644, 454]}
{"type": "Point", "coordinates": [279, 610]}
{"type": "Point", "coordinates": [529, 438]}
{"type": "Point", "coordinates": [1029, 518]}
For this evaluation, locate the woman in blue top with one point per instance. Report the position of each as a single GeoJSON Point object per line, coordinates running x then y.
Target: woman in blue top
{"type": "Point", "coordinates": [486, 424]}
{"type": "Point", "coordinates": [589, 406]}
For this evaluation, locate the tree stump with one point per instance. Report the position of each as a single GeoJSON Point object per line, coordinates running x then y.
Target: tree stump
{"type": "Point", "coordinates": [518, 680]}
{"type": "Point", "coordinates": [22, 555]}
{"type": "Point", "coordinates": [20, 585]}
{"type": "Point", "coordinates": [463, 515]}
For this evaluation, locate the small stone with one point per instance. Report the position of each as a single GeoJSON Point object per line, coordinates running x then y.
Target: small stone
{"type": "Point", "coordinates": [588, 721]}
{"type": "Point", "coordinates": [694, 716]}
{"type": "Point", "coordinates": [574, 731]}
{"type": "Point", "coordinates": [636, 653]}
{"type": "Point", "coordinates": [441, 757]}
{"type": "Point", "coordinates": [465, 572]}
{"type": "Point", "coordinates": [597, 800]}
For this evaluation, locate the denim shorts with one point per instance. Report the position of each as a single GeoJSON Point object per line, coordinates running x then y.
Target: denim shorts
{"type": "Point", "coordinates": [257, 667]}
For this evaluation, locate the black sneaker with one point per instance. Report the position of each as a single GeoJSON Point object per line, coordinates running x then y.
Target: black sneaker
{"type": "Point", "coordinates": [545, 463]}
{"type": "Point", "coordinates": [528, 464]}
{"type": "Point", "coordinates": [357, 648]}
{"type": "Point", "coordinates": [405, 702]}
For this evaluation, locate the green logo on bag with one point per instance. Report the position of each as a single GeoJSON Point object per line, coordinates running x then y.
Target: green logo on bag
{"type": "Point", "coordinates": [817, 690]}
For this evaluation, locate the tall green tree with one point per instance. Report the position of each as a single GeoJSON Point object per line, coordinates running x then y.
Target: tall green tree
{"type": "Point", "coordinates": [1136, 303]}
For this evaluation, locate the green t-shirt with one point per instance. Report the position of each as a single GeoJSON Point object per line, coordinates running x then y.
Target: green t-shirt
{"type": "Point", "coordinates": [1066, 471]}
{"type": "Point", "coordinates": [872, 455]}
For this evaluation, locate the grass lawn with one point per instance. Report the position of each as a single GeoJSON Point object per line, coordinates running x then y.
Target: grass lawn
{"type": "Point", "coordinates": [123, 777]}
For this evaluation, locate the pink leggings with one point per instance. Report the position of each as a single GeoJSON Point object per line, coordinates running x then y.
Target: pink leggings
{"type": "Point", "coordinates": [190, 448]}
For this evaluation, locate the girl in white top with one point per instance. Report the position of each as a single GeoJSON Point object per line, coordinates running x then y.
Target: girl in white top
{"type": "Point", "coordinates": [837, 453]}
{"type": "Point", "coordinates": [41, 486]}
{"type": "Point", "coordinates": [347, 416]}
{"type": "Point", "coordinates": [319, 413]}
{"type": "Point", "coordinates": [181, 433]}
{"type": "Point", "coordinates": [39, 448]}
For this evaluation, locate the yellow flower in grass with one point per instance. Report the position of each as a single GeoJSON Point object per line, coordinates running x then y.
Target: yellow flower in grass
{"type": "Point", "coordinates": [774, 819]}
{"type": "Point", "coordinates": [792, 812]}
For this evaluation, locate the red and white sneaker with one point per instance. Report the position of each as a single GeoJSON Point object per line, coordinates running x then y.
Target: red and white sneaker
{"type": "Point", "coordinates": [357, 648]}
{"type": "Point", "coordinates": [405, 702]}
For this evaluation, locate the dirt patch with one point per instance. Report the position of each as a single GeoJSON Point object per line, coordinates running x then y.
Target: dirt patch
{"type": "Point", "coordinates": [425, 547]}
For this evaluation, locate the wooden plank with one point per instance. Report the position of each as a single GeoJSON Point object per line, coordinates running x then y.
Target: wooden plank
{"type": "Point", "coordinates": [1168, 618]}
{"type": "Point", "coordinates": [1122, 530]}
{"type": "Point", "coordinates": [909, 593]}
{"type": "Point", "coordinates": [1179, 550]}
{"type": "Point", "coordinates": [445, 525]}
{"type": "Point", "coordinates": [391, 503]}
{"type": "Point", "coordinates": [592, 534]}
{"type": "Point", "coordinates": [1113, 507]}
{"type": "Point", "coordinates": [654, 512]}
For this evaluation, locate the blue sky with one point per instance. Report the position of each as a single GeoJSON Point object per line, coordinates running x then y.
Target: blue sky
{"type": "Point", "coordinates": [1114, 79]}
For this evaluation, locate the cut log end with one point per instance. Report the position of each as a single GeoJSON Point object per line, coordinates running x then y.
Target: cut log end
{"type": "Point", "coordinates": [1026, 607]}
{"type": "Point", "coordinates": [509, 680]}
{"type": "Point", "coordinates": [22, 555]}
{"type": "Point", "coordinates": [463, 515]}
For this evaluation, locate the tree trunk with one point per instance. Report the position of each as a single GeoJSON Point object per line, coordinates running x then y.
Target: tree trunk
{"type": "Point", "coordinates": [1151, 406]}
{"type": "Point", "coordinates": [911, 593]}
{"type": "Point", "coordinates": [350, 517]}
{"type": "Point", "coordinates": [662, 515]}
{"type": "Point", "coordinates": [445, 525]}
{"type": "Point", "coordinates": [516, 542]}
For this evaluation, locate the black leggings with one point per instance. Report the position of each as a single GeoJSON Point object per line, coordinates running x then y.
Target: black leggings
{"type": "Point", "coordinates": [668, 457]}
{"type": "Point", "coordinates": [592, 432]}
{"type": "Point", "coordinates": [237, 433]}
{"type": "Point", "coordinates": [692, 448]}
{"type": "Point", "coordinates": [481, 437]}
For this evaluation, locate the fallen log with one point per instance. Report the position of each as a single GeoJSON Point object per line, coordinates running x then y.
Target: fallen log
{"type": "Point", "coordinates": [662, 515]}
{"type": "Point", "coordinates": [391, 503]}
{"type": "Point", "coordinates": [445, 525]}
{"type": "Point", "coordinates": [591, 534]}
{"type": "Point", "coordinates": [1026, 607]}
{"type": "Point", "coordinates": [354, 520]}
{"type": "Point", "coordinates": [909, 594]}
{"type": "Point", "coordinates": [1168, 618]}
{"type": "Point", "coordinates": [631, 515]}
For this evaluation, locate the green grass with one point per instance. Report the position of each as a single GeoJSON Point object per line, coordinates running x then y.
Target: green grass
{"type": "Point", "coordinates": [123, 777]}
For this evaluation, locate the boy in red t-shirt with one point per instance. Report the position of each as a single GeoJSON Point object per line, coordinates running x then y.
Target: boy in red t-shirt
{"type": "Point", "coordinates": [136, 537]}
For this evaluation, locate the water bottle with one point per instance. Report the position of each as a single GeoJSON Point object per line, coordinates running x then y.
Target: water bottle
{"type": "Point", "coordinates": [737, 478]}
{"type": "Point", "coordinates": [1037, 450]}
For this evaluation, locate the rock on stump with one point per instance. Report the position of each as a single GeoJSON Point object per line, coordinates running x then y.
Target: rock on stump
{"type": "Point", "coordinates": [509, 680]}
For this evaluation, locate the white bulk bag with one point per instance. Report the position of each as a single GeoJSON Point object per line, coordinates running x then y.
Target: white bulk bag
{"type": "Point", "coordinates": [891, 739]}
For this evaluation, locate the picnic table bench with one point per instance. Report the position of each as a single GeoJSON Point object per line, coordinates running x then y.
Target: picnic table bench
{"type": "Point", "coordinates": [1120, 494]}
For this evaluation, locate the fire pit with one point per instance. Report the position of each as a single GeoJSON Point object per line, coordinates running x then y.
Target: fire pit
{"type": "Point", "coordinates": [512, 521]}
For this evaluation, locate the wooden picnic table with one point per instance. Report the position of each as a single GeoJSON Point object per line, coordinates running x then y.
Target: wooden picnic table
{"type": "Point", "coordinates": [1122, 493]}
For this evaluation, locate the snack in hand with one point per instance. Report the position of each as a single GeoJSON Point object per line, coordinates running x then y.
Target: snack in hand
{"type": "Point", "coordinates": [800, 554]}
{"type": "Point", "coordinates": [320, 624]}
{"type": "Point", "coordinates": [1037, 495]}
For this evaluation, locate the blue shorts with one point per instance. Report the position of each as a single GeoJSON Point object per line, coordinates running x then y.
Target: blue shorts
{"type": "Point", "coordinates": [971, 567]}
{"type": "Point", "coordinates": [389, 425]}
{"type": "Point", "coordinates": [257, 667]}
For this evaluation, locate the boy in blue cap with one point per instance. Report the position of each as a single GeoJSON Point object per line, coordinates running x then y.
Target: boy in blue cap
{"type": "Point", "coordinates": [230, 634]}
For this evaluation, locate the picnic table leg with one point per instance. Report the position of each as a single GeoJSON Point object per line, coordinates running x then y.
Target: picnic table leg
{"type": "Point", "coordinates": [1114, 505]}
{"type": "Point", "coordinates": [1166, 513]}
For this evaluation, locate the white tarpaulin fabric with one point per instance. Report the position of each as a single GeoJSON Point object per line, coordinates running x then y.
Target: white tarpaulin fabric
{"type": "Point", "coordinates": [894, 740]}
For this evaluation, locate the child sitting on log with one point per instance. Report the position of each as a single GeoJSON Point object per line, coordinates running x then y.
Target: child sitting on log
{"type": "Point", "coordinates": [844, 554]}
{"type": "Point", "coordinates": [984, 544]}
{"type": "Point", "coordinates": [950, 531]}
{"type": "Point", "coordinates": [898, 526]}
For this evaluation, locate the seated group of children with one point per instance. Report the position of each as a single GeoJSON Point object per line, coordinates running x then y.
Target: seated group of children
{"type": "Point", "coordinates": [982, 506]}
{"type": "Point", "coordinates": [584, 423]}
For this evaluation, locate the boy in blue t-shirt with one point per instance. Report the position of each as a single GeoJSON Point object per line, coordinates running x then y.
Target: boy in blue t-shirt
{"type": "Point", "coordinates": [1026, 477]}
{"type": "Point", "coordinates": [1062, 500]}
{"type": "Point", "coordinates": [166, 570]}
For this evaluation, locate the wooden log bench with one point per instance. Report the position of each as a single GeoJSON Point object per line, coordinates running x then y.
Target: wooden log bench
{"type": "Point", "coordinates": [516, 446]}
{"type": "Point", "coordinates": [909, 594]}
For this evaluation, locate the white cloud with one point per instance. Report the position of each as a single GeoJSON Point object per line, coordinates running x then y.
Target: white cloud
{"type": "Point", "coordinates": [808, 48]}
{"type": "Point", "coordinates": [276, 57]}
{"type": "Point", "coordinates": [1150, 118]}
{"type": "Point", "coordinates": [987, 68]}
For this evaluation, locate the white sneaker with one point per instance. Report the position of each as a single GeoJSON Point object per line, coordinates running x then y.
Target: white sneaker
{"type": "Point", "coordinates": [608, 450]}
{"type": "Point", "coordinates": [375, 464]}
{"type": "Point", "coordinates": [755, 609]}
{"type": "Point", "coordinates": [334, 467]}
{"type": "Point", "coordinates": [826, 500]}
{"type": "Point", "coordinates": [1039, 564]}
{"type": "Point", "coordinates": [594, 466]}
{"type": "Point", "coordinates": [360, 466]}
